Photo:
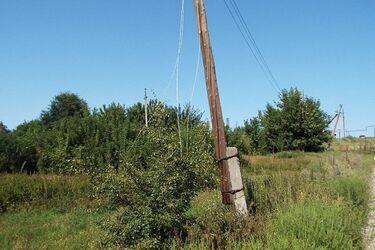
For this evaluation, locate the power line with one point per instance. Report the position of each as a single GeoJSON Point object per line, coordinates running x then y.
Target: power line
{"type": "Point", "coordinates": [191, 97]}
{"type": "Point", "coordinates": [234, 4]}
{"type": "Point", "coordinates": [180, 43]}
{"type": "Point", "coordinates": [243, 28]}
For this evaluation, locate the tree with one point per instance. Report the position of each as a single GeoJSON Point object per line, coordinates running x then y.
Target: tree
{"type": "Point", "coordinates": [255, 133]}
{"type": "Point", "coordinates": [65, 105]}
{"type": "Point", "coordinates": [151, 189]}
{"type": "Point", "coordinates": [3, 128]}
{"type": "Point", "coordinates": [295, 123]}
{"type": "Point", "coordinates": [238, 138]}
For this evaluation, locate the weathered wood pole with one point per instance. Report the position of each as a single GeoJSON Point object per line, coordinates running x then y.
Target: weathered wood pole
{"type": "Point", "coordinates": [231, 181]}
{"type": "Point", "coordinates": [214, 100]}
{"type": "Point", "coordinates": [337, 121]}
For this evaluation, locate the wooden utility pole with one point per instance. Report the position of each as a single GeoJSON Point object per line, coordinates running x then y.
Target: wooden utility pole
{"type": "Point", "coordinates": [214, 100]}
{"type": "Point", "coordinates": [343, 122]}
{"type": "Point", "coordinates": [146, 114]}
{"type": "Point", "coordinates": [337, 121]}
{"type": "Point", "coordinates": [231, 183]}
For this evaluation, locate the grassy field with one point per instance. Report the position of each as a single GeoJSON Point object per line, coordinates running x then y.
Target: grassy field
{"type": "Point", "coordinates": [49, 229]}
{"type": "Point", "coordinates": [296, 201]}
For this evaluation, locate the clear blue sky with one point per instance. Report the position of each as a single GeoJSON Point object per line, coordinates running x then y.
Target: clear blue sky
{"type": "Point", "coordinates": [109, 51]}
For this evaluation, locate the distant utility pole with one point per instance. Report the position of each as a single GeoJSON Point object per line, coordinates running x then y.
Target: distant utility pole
{"type": "Point", "coordinates": [227, 158]}
{"type": "Point", "coordinates": [343, 122]}
{"type": "Point", "coordinates": [146, 115]}
{"type": "Point", "coordinates": [337, 121]}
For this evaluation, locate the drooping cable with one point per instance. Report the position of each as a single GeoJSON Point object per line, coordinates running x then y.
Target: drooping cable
{"type": "Point", "coordinates": [241, 25]}
{"type": "Point", "coordinates": [190, 106]}
{"type": "Point", "coordinates": [251, 37]}
{"type": "Point", "coordinates": [180, 44]}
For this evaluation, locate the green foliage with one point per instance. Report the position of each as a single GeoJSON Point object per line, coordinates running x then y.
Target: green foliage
{"type": "Point", "coordinates": [239, 139]}
{"type": "Point", "coordinates": [19, 191]}
{"type": "Point", "coordinates": [64, 105]}
{"type": "Point", "coordinates": [151, 189]}
{"type": "Point", "coordinates": [147, 177]}
{"type": "Point", "coordinates": [8, 154]}
{"type": "Point", "coordinates": [15, 156]}
{"type": "Point", "coordinates": [295, 123]}
{"type": "Point", "coordinates": [3, 129]}
{"type": "Point", "coordinates": [216, 226]}
{"type": "Point", "coordinates": [253, 129]}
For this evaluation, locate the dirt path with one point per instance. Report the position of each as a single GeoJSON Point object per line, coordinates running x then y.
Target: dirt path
{"type": "Point", "coordinates": [370, 227]}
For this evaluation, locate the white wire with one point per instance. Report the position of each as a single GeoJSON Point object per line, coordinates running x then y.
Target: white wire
{"type": "Point", "coordinates": [192, 95]}
{"type": "Point", "coordinates": [177, 69]}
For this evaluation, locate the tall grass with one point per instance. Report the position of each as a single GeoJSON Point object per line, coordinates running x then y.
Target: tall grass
{"type": "Point", "coordinates": [25, 191]}
{"type": "Point", "coordinates": [50, 229]}
{"type": "Point", "coordinates": [296, 201]}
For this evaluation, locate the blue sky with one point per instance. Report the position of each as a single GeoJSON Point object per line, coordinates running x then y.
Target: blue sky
{"type": "Point", "coordinates": [109, 51]}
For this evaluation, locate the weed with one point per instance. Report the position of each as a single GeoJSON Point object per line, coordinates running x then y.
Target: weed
{"type": "Point", "coordinates": [25, 191]}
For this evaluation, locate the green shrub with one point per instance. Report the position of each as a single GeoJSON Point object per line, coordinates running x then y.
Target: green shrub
{"type": "Point", "coordinates": [220, 227]}
{"type": "Point", "coordinates": [151, 190]}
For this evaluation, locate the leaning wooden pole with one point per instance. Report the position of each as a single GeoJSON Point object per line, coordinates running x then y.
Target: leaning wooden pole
{"type": "Point", "coordinates": [214, 100]}
{"type": "Point", "coordinates": [227, 158]}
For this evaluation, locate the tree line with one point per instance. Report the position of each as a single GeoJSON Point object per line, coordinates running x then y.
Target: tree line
{"type": "Point", "coordinates": [68, 137]}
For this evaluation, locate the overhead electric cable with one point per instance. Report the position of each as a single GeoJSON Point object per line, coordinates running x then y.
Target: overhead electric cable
{"type": "Point", "coordinates": [180, 43]}
{"type": "Point", "coordinates": [241, 25]}
{"type": "Point", "coordinates": [192, 95]}
{"type": "Point", "coordinates": [246, 27]}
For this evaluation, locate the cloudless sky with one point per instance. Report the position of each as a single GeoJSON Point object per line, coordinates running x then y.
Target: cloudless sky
{"type": "Point", "coordinates": [109, 51]}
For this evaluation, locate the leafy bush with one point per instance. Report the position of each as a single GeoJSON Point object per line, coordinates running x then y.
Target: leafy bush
{"type": "Point", "coordinates": [3, 128]}
{"type": "Point", "coordinates": [151, 189]}
{"type": "Point", "coordinates": [294, 122]}
{"type": "Point", "coordinates": [14, 156]}
{"type": "Point", "coordinates": [64, 105]}
{"type": "Point", "coordinates": [217, 226]}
